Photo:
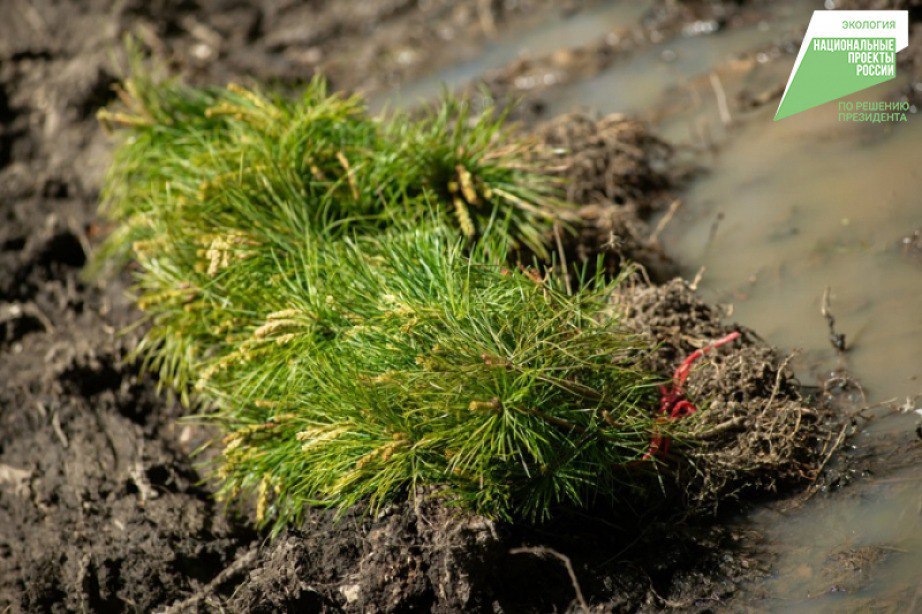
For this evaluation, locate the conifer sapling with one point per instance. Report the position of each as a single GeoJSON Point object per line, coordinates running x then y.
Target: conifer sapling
{"type": "Point", "coordinates": [340, 294]}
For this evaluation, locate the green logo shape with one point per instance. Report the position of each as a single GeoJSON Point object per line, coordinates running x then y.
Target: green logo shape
{"type": "Point", "coordinates": [836, 67]}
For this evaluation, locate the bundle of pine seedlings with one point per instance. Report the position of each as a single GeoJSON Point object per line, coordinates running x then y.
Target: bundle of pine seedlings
{"type": "Point", "coordinates": [346, 297]}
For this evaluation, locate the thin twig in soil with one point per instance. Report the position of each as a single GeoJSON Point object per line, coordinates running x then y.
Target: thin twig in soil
{"type": "Point", "coordinates": [16, 310]}
{"type": "Point", "coordinates": [835, 338]}
{"type": "Point", "coordinates": [543, 551]}
{"type": "Point", "coordinates": [714, 227]}
{"type": "Point", "coordinates": [778, 377]}
{"type": "Point", "coordinates": [200, 595]}
{"type": "Point", "coordinates": [697, 279]}
{"type": "Point", "coordinates": [664, 221]}
{"type": "Point", "coordinates": [819, 470]}
{"type": "Point", "coordinates": [58, 431]}
{"type": "Point", "coordinates": [727, 425]}
{"type": "Point", "coordinates": [722, 107]}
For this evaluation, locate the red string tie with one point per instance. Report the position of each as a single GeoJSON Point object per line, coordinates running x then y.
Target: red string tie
{"type": "Point", "coordinates": [673, 404]}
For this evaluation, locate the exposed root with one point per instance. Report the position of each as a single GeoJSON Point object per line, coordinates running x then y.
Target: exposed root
{"type": "Point", "coordinates": [836, 338]}
{"type": "Point", "coordinates": [754, 432]}
{"type": "Point", "coordinates": [617, 170]}
{"type": "Point", "coordinates": [545, 551]}
{"type": "Point", "coordinates": [243, 562]}
{"type": "Point", "coordinates": [612, 159]}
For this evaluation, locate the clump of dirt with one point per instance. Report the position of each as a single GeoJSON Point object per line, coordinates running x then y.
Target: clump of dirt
{"type": "Point", "coordinates": [427, 557]}
{"type": "Point", "coordinates": [760, 434]}
{"type": "Point", "coordinates": [423, 556]}
{"type": "Point", "coordinates": [612, 159]}
{"type": "Point", "coordinates": [621, 237]}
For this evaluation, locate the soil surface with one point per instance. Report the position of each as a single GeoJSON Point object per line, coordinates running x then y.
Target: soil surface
{"type": "Point", "coordinates": [103, 508]}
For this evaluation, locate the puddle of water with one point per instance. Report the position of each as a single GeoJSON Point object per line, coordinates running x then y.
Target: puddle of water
{"type": "Point", "coordinates": [547, 35]}
{"type": "Point", "coordinates": [641, 81]}
{"type": "Point", "coordinates": [808, 203]}
{"type": "Point", "coordinates": [833, 558]}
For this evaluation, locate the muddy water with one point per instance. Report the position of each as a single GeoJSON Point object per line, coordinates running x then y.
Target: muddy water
{"type": "Point", "coordinates": [785, 211]}
{"type": "Point", "coordinates": [859, 551]}
{"type": "Point", "coordinates": [808, 203]}
{"type": "Point", "coordinates": [658, 75]}
{"type": "Point", "coordinates": [544, 33]}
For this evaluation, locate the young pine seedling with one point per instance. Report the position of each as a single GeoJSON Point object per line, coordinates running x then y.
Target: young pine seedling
{"type": "Point", "coordinates": [340, 294]}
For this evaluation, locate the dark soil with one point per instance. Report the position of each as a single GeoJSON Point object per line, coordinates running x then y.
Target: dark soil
{"type": "Point", "coordinates": [102, 507]}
